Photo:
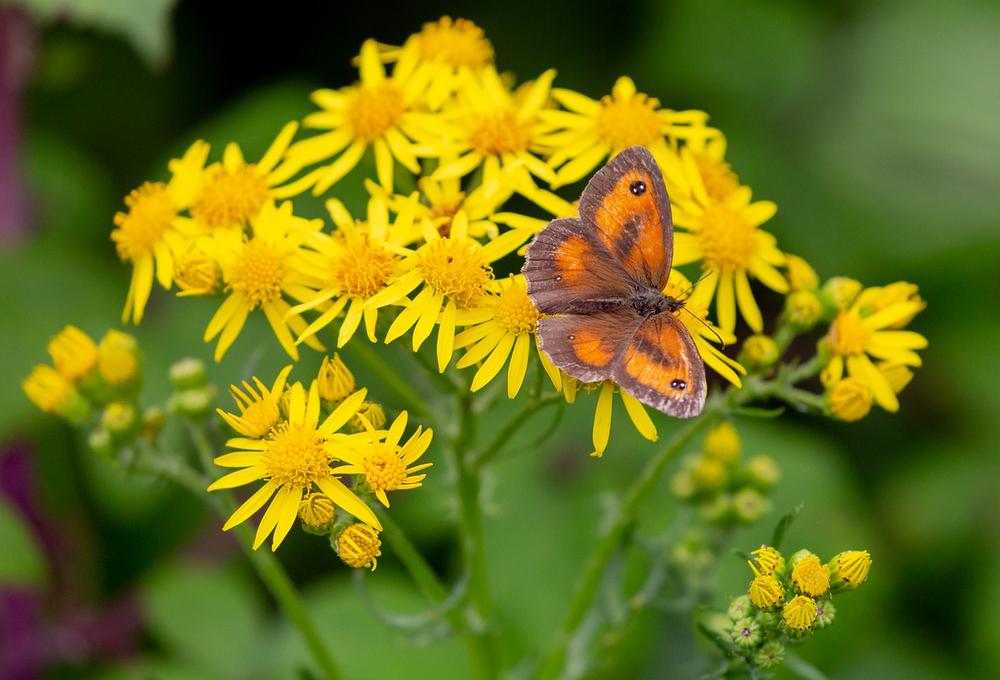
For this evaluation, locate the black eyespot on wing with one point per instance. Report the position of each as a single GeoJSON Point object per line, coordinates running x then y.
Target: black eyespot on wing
{"type": "Point", "coordinates": [637, 188]}
{"type": "Point", "coordinates": [678, 384]}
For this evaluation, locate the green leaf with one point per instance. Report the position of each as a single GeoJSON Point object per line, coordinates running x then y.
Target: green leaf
{"type": "Point", "coordinates": [21, 561]}
{"type": "Point", "coordinates": [144, 23]}
{"type": "Point", "coordinates": [782, 527]}
{"type": "Point", "coordinates": [757, 412]}
{"type": "Point", "coordinates": [802, 668]}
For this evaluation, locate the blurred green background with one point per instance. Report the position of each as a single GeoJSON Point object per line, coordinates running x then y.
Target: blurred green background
{"type": "Point", "coordinates": [873, 126]}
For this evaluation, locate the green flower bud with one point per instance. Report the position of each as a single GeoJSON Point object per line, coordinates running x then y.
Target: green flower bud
{"type": "Point", "coordinates": [682, 485]}
{"type": "Point", "coordinates": [825, 613]}
{"type": "Point", "coordinates": [746, 633]}
{"type": "Point", "coordinates": [770, 654]}
{"type": "Point", "coordinates": [837, 294]}
{"type": "Point", "coordinates": [740, 608]}
{"type": "Point", "coordinates": [759, 351]}
{"type": "Point", "coordinates": [749, 505]}
{"type": "Point", "coordinates": [194, 403]}
{"type": "Point", "coordinates": [762, 472]}
{"type": "Point", "coordinates": [100, 442]}
{"type": "Point", "coordinates": [719, 510]}
{"type": "Point", "coordinates": [188, 373]}
{"type": "Point", "coordinates": [121, 420]}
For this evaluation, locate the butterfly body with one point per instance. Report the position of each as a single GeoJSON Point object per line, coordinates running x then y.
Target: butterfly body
{"type": "Point", "coordinates": [599, 278]}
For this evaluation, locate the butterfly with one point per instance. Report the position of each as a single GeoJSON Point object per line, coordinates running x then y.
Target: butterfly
{"type": "Point", "coordinates": [600, 278]}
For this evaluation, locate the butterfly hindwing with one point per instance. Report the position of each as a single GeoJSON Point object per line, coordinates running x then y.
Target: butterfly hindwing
{"type": "Point", "coordinates": [567, 264]}
{"type": "Point", "coordinates": [626, 202]}
{"type": "Point", "coordinates": [661, 367]}
{"type": "Point", "coordinates": [588, 346]}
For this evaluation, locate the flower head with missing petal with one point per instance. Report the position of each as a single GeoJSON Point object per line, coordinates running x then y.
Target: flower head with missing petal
{"type": "Point", "coordinates": [258, 405]}
{"type": "Point", "coordinates": [294, 458]}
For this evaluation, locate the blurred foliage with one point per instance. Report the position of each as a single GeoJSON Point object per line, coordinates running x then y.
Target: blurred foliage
{"type": "Point", "coordinates": [874, 128]}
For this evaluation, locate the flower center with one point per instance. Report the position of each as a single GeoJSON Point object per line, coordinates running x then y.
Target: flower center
{"type": "Point", "coordinates": [717, 176]}
{"type": "Point", "coordinates": [230, 197]}
{"type": "Point", "coordinates": [363, 268]}
{"type": "Point", "coordinates": [150, 212]}
{"type": "Point", "coordinates": [456, 43]}
{"type": "Point", "coordinates": [727, 239]}
{"type": "Point", "coordinates": [622, 123]}
{"type": "Point", "coordinates": [498, 134]}
{"type": "Point", "coordinates": [454, 268]}
{"type": "Point", "coordinates": [514, 311]}
{"type": "Point", "coordinates": [848, 335]}
{"type": "Point", "coordinates": [259, 272]}
{"type": "Point", "coordinates": [373, 110]}
{"type": "Point", "coordinates": [295, 456]}
{"type": "Point", "coordinates": [384, 471]}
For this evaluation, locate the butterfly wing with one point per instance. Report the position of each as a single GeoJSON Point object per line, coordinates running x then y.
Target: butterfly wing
{"type": "Point", "coordinates": [626, 201]}
{"type": "Point", "coordinates": [588, 346]}
{"type": "Point", "coordinates": [567, 265]}
{"type": "Point", "coordinates": [661, 367]}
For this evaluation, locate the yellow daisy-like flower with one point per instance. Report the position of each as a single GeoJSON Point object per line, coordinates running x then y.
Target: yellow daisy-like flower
{"type": "Point", "coordinates": [447, 49]}
{"type": "Point", "coordinates": [149, 231]}
{"type": "Point", "coordinates": [386, 464]}
{"type": "Point", "coordinates": [454, 274]}
{"type": "Point", "coordinates": [258, 271]}
{"type": "Point", "coordinates": [507, 333]}
{"type": "Point", "coordinates": [293, 459]}
{"type": "Point", "coordinates": [376, 112]}
{"type": "Point", "coordinates": [870, 328]}
{"type": "Point", "coordinates": [260, 410]}
{"type": "Point", "coordinates": [601, 432]}
{"type": "Point", "coordinates": [592, 131]}
{"type": "Point", "coordinates": [709, 155]}
{"type": "Point", "coordinates": [493, 128]}
{"type": "Point", "coordinates": [73, 352]}
{"type": "Point", "coordinates": [725, 235]}
{"type": "Point", "coordinates": [232, 193]}
{"type": "Point", "coordinates": [348, 268]}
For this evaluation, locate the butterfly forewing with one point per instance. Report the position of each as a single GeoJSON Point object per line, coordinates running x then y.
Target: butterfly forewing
{"type": "Point", "coordinates": [661, 367]}
{"type": "Point", "coordinates": [626, 202]}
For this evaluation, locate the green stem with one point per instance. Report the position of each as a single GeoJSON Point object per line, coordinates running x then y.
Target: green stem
{"type": "Point", "coordinates": [389, 377]}
{"type": "Point", "coordinates": [267, 566]}
{"type": "Point", "coordinates": [606, 548]}
{"type": "Point", "coordinates": [515, 423]}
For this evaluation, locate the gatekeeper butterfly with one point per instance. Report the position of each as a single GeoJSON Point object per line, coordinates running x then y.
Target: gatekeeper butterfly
{"type": "Point", "coordinates": [600, 277]}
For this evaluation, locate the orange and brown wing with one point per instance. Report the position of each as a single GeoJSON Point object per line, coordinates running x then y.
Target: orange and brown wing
{"type": "Point", "coordinates": [567, 264]}
{"type": "Point", "coordinates": [661, 368]}
{"type": "Point", "coordinates": [627, 203]}
{"type": "Point", "coordinates": [588, 346]}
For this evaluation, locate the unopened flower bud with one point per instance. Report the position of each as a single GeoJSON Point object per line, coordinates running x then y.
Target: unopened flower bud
{"type": "Point", "coordinates": [316, 512]}
{"type": "Point", "coordinates": [767, 560]}
{"type": "Point", "coordinates": [188, 373]}
{"type": "Point", "coordinates": [762, 472]}
{"type": "Point", "coordinates": [759, 351]}
{"type": "Point", "coordinates": [73, 353]}
{"type": "Point", "coordinates": [50, 391]}
{"type": "Point", "coordinates": [749, 505]}
{"type": "Point", "coordinates": [120, 420]}
{"type": "Point", "coordinates": [850, 399]}
{"type": "Point", "coordinates": [825, 613]}
{"type": "Point", "coordinates": [837, 294]}
{"type": "Point", "coordinates": [799, 613]}
{"type": "Point", "coordinates": [193, 403]}
{"type": "Point", "coordinates": [849, 569]}
{"type": "Point", "coordinates": [810, 577]}
{"type": "Point", "coordinates": [708, 474]}
{"type": "Point", "coordinates": [118, 359]}
{"type": "Point", "coordinates": [335, 381]}
{"type": "Point", "coordinates": [153, 420]}
{"type": "Point", "coordinates": [801, 275]}
{"type": "Point", "coordinates": [770, 654]}
{"type": "Point", "coordinates": [372, 412]}
{"type": "Point", "coordinates": [746, 633]}
{"type": "Point", "coordinates": [740, 608]}
{"type": "Point", "coordinates": [682, 484]}
{"type": "Point", "coordinates": [359, 546]}
{"type": "Point", "coordinates": [100, 442]}
{"type": "Point", "coordinates": [765, 591]}
{"type": "Point", "coordinates": [723, 443]}
{"type": "Point", "coordinates": [803, 309]}
{"type": "Point", "coordinates": [719, 509]}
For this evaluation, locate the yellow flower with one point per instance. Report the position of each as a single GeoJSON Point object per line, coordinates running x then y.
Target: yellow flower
{"type": "Point", "coordinates": [850, 399]}
{"type": "Point", "coordinates": [335, 380]}
{"type": "Point", "coordinates": [50, 391]}
{"type": "Point", "coordinates": [492, 127]}
{"type": "Point", "coordinates": [195, 272]}
{"type": "Point", "coordinates": [316, 511]}
{"type": "Point", "coordinates": [259, 271]}
{"type": "Point", "coordinates": [709, 155]}
{"type": "Point", "coordinates": [723, 443]}
{"type": "Point", "coordinates": [765, 590]}
{"type": "Point", "coordinates": [759, 351]}
{"type": "Point", "coordinates": [870, 327]}
{"type": "Point", "coordinates": [799, 613]}
{"type": "Point", "coordinates": [801, 275]}
{"type": "Point", "coordinates": [507, 333]}
{"type": "Point", "coordinates": [446, 48]}
{"type": "Point", "coordinates": [117, 359]}
{"type": "Point", "coordinates": [150, 231]}
{"type": "Point", "coordinates": [73, 353]}
{"type": "Point", "coordinates": [385, 463]}
{"type": "Point", "coordinates": [768, 560]}
{"type": "Point", "coordinates": [348, 268]}
{"type": "Point", "coordinates": [725, 235]}
{"type": "Point", "coordinates": [370, 412]}
{"type": "Point", "coordinates": [839, 292]}
{"type": "Point", "coordinates": [232, 193]}
{"type": "Point", "coordinates": [292, 459]}
{"type": "Point", "coordinates": [260, 410]}
{"type": "Point", "coordinates": [694, 316]}
{"type": "Point", "coordinates": [810, 577]}
{"type": "Point", "coordinates": [591, 131]}
{"type": "Point", "coordinates": [358, 546]}
{"type": "Point", "coordinates": [850, 568]}
{"type": "Point", "coordinates": [454, 274]}
{"type": "Point", "coordinates": [376, 112]}
{"type": "Point", "coordinates": [602, 415]}
{"type": "Point", "coordinates": [803, 309]}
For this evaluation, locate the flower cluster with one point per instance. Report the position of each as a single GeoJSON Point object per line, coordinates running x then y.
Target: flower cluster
{"type": "Point", "coordinates": [726, 488]}
{"type": "Point", "coordinates": [788, 600]}
{"type": "Point", "coordinates": [315, 450]}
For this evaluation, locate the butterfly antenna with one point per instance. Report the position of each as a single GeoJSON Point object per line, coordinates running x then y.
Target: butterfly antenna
{"type": "Point", "coordinates": [709, 327]}
{"type": "Point", "coordinates": [690, 289]}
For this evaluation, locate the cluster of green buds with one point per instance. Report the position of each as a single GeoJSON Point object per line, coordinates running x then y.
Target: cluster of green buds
{"type": "Point", "coordinates": [726, 488]}
{"type": "Point", "coordinates": [788, 600]}
{"type": "Point", "coordinates": [94, 386]}
{"type": "Point", "coordinates": [193, 396]}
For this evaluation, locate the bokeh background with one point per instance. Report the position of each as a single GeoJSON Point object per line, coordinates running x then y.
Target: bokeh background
{"type": "Point", "coordinates": [874, 126]}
